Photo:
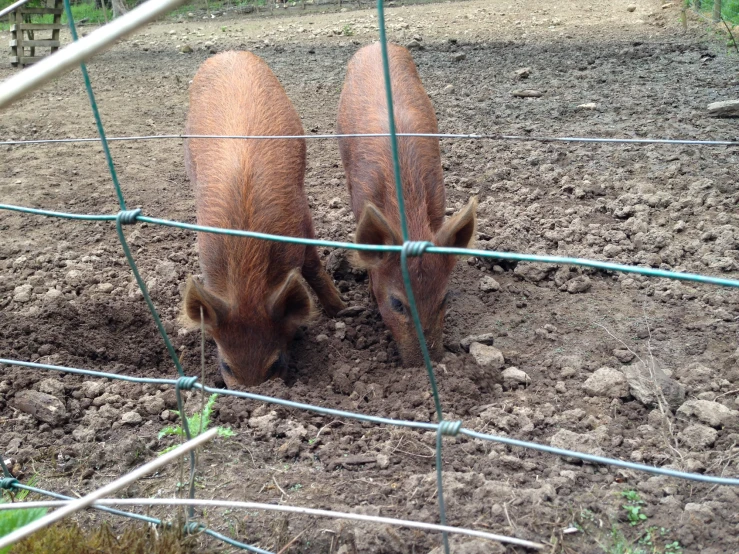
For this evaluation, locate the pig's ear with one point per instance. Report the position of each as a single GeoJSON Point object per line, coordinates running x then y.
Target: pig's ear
{"type": "Point", "coordinates": [291, 301]}
{"type": "Point", "coordinates": [459, 230]}
{"type": "Point", "coordinates": [215, 310]}
{"type": "Point", "coordinates": [373, 228]}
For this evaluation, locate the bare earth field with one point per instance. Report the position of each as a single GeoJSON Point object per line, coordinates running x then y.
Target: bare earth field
{"type": "Point", "coordinates": [67, 296]}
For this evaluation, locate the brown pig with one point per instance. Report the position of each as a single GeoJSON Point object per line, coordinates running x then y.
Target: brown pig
{"type": "Point", "coordinates": [254, 295]}
{"type": "Point", "coordinates": [368, 164]}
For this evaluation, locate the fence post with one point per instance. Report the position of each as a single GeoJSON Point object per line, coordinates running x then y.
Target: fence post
{"type": "Point", "coordinates": [716, 11]}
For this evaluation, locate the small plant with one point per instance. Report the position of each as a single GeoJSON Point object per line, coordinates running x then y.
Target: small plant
{"type": "Point", "coordinates": [633, 510]}
{"type": "Point", "coordinates": [197, 423]}
{"type": "Point", "coordinates": [347, 31]}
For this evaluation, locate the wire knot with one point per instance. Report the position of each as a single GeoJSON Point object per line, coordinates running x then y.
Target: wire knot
{"type": "Point", "coordinates": [186, 383]}
{"type": "Point", "coordinates": [8, 483]}
{"type": "Point", "coordinates": [416, 248]}
{"type": "Point", "coordinates": [192, 527]}
{"type": "Point", "coordinates": [128, 217]}
{"type": "Point", "coordinates": [450, 428]}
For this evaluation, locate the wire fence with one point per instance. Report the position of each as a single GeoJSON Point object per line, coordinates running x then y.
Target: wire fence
{"type": "Point", "coordinates": [409, 248]}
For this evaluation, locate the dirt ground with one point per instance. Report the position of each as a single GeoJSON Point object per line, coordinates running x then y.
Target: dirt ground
{"type": "Point", "coordinates": [68, 297]}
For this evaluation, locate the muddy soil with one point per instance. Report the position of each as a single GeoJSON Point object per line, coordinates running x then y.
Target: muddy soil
{"type": "Point", "coordinates": [581, 339]}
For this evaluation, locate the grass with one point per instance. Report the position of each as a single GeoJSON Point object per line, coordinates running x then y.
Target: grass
{"type": "Point", "coordinates": [10, 520]}
{"type": "Point", "coordinates": [729, 9]}
{"type": "Point", "coordinates": [636, 538]}
{"type": "Point", "coordinates": [69, 538]}
{"type": "Point", "coordinates": [79, 12]}
{"type": "Point", "coordinates": [197, 423]}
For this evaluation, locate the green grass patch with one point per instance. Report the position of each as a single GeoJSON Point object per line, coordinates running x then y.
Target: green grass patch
{"type": "Point", "coordinates": [197, 423]}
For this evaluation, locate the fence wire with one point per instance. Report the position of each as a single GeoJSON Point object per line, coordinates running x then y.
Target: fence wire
{"type": "Point", "coordinates": [408, 248]}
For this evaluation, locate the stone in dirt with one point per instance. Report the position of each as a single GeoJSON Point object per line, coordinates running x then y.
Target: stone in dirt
{"type": "Point", "coordinates": [513, 376]}
{"type": "Point", "coordinates": [579, 284]}
{"type": "Point", "coordinates": [488, 284]}
{"type": "Point", "coordinates": [623, 355]}
{"type": "Point", "coordinates": [527, 93]}
{"type": "Point", "coordinates": [710, 413]}
{"type": "Point", "coordinates": [727, 108]}
{"type": "Point", "coordinates": [465, 545]}
{"type": "Point", "coordinates": [631, 8]}
{"type": "Point", "coordinates": [648, 383]}
{"type": "Point", "coordinates": [694, 374]}
{"type": "Point", "coordinates": [459, 56]}
{"type": "Point", "coordinates": [534, 272]}
{"type": "Point", "coordinates": [607, 382]}
{"type": "Point", "coordinates": [42, 406]}
{"type": "Point", "coordinates": [698, 437]}
{"type": "Point", "coordinates": [486, 338]}
{"type": "Point", "coordinates": [54, 387]}
{"type": "Point", "coordinates": [569, 440]}
{"type": "Point", "coordinates": [523, 73]}
{"type": "Point", "coordinates": [487, 356]}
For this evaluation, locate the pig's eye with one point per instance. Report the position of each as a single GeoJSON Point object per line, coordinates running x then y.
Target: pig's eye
{"type": "Point", "coordinates": [397, 305]}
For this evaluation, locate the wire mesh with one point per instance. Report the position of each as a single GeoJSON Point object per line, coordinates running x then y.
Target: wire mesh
{"type": "Point", "coordinates": [408, 248]}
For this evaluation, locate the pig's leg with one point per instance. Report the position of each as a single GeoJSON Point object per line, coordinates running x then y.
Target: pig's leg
{"type": "Point", "coordinates": [320, 281]}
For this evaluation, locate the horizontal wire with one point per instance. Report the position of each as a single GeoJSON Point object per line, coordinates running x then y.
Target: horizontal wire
{"type": "Point", "coordinates": [534, 258]}
{"type": "Point", "coordinates": [463, 136]}
{"type": "Point", "coordinates": [426, 426]}
{"type": "Point", "coordinates": [281, 508]}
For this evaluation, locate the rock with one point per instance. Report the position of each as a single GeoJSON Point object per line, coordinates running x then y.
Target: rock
{"type": "Point", "coordinates": [526, 93]}
{"type": "Point", "coordinates": [607, 382]}
{"type": "Point", "coordinates": [152, 405]}
{"type": "Point", "coordinates": [83, 434]}
{"type": "Point", "coordinates": [42, 406]}
{"type": "Point", "coordinates": [351, 311]}
{"type": "Point", "coordinates": [523, 73]}
{"type": "Point", "coordinates": [695, 374]}
{"type": "Point", "coordinates": [449, 89]}
{"type": "Point", "coordinates": [647, 384]}
{"type": "Point", "coordinates": [534, 272]}
{"type": "Point", "coordinates": [631, 8]}
{"type": "Point", "coordinates": [93, 389]}
{"type": "Point", "coordinates": [54, 387]}
{"type": "Point", "coordinates": [711, 413]}
{"type": "Point", "coordinates": [458, 56]}
{"type": "Point", "coordinates": [265, 423]}
{"type": "Point", "coordinates": [340, 330]}
{"type": "Point", "coordinates": [588, 106]}
{"type": "Point", "coordinates": [570, 440]}
{"type": "Point", "coordinates": [383, 461]}
{"type": "Point", "coordinates": [623, 355]}
{"type": "Point", "coordinates": [53, 293]}
{"type": "Point", "coordinates": [513, 376]}
{"type": "Point", "coordinates": [488, 284]}
{"type": "Point", "coordinates": [487, 356]}
{"type": "Point", "coordinates": [74, 278]}
{"type": "Point", "coordinates": [131, 418]}
{"type": "Point", "coordinates": [486, 338]}
{"type": "Point", "coordinates": [289, 449]}
{"type": "Point", "coordinates": [22, 293]}
{"type": "Point", "coordinates": [579, 284]}
{"type": "Point", "coordinates": [105, 287]}
{"type": "Point", "coordinates": [128, 451]}
{"type": "Point", "coordinates": [465, 545]}
{"type": "Point", "coordinates": [727, 108]}
{"type": "Point", "coordinates": [186, 49]}
{"type": "Point", "coordinates": [321, 338]}
{"type": "Point", "coordinates": [334, 203]}
{"type": "Point", "coordinates": [413, 45]}
{"type": "Point", "coordinates": [698, 437]}
{"type": "Point", "coordinates": [166, 272]}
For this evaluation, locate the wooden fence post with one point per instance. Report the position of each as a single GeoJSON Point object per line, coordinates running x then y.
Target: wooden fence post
{"type": "Point", "coordinates": [716, 11]}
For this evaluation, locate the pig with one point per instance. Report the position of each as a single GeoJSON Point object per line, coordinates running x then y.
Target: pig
{"type": "Point", "coordinates": [368, 165]}
{"type": "Point", "coordinates": [253, 296]}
